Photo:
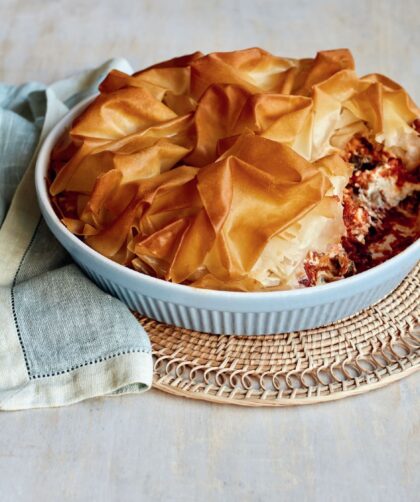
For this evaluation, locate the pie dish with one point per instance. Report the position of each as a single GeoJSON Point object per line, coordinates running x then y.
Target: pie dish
{"type": "Point", "coordinates": [257, 175]}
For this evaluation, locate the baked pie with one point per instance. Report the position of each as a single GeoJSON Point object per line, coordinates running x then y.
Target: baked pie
{"type": "Point", "coordinates": [243, 170]}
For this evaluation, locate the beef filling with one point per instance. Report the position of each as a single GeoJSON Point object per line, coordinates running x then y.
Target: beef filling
{"type": "Point", "coordinates": [380, 212]}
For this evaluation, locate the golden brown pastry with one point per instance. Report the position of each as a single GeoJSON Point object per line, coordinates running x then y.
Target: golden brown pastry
{"type": "Point", "coordinates": [242, 170]}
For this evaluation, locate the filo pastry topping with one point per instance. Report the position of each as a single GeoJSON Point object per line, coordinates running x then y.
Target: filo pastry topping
{"type": "Point", "coordinates": [223, 171]}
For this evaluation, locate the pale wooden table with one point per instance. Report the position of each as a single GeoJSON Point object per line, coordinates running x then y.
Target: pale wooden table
{"type": "Point", "coordinates": [156, 447]}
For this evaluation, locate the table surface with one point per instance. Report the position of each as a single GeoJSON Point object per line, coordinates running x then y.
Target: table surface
{"type": "Point", "coordinates": [158, 447]}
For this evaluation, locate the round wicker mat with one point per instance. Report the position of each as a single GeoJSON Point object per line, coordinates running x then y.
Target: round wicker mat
{"type": "Point", "coordinates": [368, 350]}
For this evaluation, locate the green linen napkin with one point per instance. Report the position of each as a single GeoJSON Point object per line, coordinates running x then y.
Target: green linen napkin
{"type": "Point", "coordinates": [62, 339]}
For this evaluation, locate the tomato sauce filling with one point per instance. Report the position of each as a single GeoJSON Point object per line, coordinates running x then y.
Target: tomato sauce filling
{"type": "Point", "coordinates": [380, 212]}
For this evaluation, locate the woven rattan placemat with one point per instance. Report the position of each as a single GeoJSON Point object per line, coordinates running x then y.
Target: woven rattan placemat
{"type": "Point", "coordinates": [368, 350]}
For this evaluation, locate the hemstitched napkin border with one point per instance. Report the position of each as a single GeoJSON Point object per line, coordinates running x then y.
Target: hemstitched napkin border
{"type": "Point", "coordinates": [128, 366]}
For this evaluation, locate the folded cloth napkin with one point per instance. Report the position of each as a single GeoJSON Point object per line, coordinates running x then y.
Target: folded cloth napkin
{"type": "Point", "coordinates": [62, 339]}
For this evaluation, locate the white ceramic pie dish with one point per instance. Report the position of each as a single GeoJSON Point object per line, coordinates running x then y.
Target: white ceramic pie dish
{"type": "Point", "coordinates": [221, 312]}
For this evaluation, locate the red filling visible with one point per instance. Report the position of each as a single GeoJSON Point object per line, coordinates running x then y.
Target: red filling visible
{"type": "Point", "coordinates": [375, 233]}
